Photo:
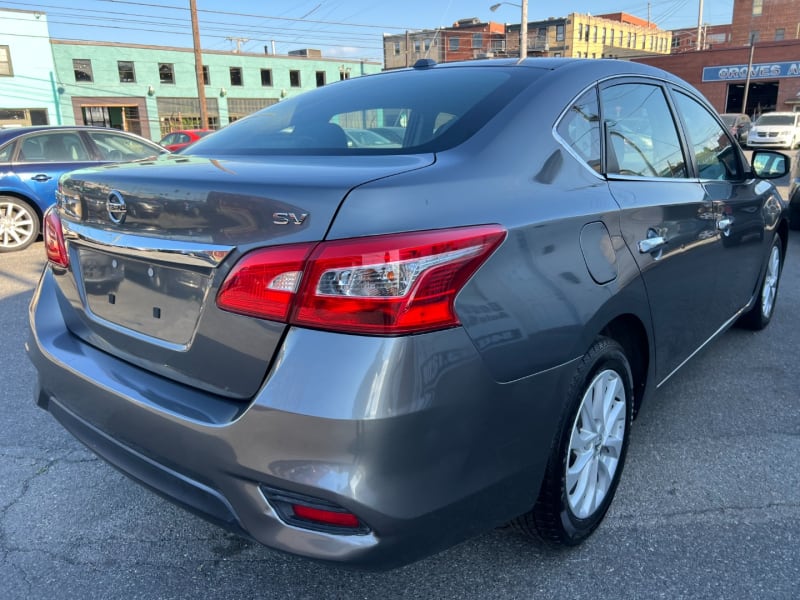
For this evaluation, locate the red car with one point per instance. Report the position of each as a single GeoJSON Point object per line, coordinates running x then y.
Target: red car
{"type": "Point", "coordinates": [178, 140]}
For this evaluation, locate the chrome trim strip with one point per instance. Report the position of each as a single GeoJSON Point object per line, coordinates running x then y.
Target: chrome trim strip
{"type": "Point", "coordinates": [147, 248]}
{"type": "Point", "coordinates": [723, 328]}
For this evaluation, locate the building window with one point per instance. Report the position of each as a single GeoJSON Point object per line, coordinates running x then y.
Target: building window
{"type": "Point", "coordinates": [604, 35]}
{"type": "Point", "coordinates": [454, 42]}
{"type": "Point", "coordinates": [126, 72]}
{"type": "Point", "coordinates": [344, 72]}
{"type": "Point", "coordinates": [166, 72]}
{"type": "Point", "coordinates": [397, 48]}
{"type": "Point", "coordinates": [612, 37]}
{"type": "Point", "coordinates": [294, 78]}
{"type": "Point", "coordinates": [206, 75]}
{"type": "Point", "coordinates": [320, 78]}
{"type": "Point", "coordinates": [580, 31]}
{"type": "Point", "coordinates": [236, 76]}
{"type": "Point", "coordinates": [5, 62]}
{"type": "Point", "coordinates": [557, 54]}
{"type": "Point", "coordinates": [758, 7]}
{"type": "Point", "coordinates": [266, 77]}
{"type": "Point", "coordinates": [428, 43]}
{"type": "Point", "coordinates": [560, 33]}
{"type": "Point", "coordinates": [594, 34]}
{"type": "Point", "coordinates": [417, 46]}
{"type": "Point", "coordinates": [779, 34]}
{"type": "Point", "coordinates": [83, 69]}
{"type": "Point", "coordinates": [477, 40]}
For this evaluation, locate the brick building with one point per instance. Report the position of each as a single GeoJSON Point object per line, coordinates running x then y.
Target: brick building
{"type": "Point", "coordinates": [764, 21]}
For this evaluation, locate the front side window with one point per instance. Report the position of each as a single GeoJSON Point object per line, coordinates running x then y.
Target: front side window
{"type": "Point", "coordinates": [714, 153]}
{"type": "Point", "coordinates": [116, 147]}
{"type": "Point", "coordinates": [236, 76]}
{"type": "Point", "coordinates": [166, 73]}
{"type": "Point", "coordinates": [641, 136]}
{"type": "Point", "coordinates": [126, 71]}
{"type": "Point", "coordinates": [5, 62]}
{"type": "Point", "coordinates": [82, 69]}
{"type": "Point", "coordinates": [294, 78]}
{"type": "Point", "coordinates": [580, 129]}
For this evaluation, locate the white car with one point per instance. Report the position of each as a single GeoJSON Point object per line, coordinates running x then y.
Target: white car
{"type": "Point", "coordinates": [775, 129]}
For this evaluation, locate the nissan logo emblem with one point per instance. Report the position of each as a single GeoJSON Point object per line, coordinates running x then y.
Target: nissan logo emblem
{"type": "Point", "coordinates": [115, 206]}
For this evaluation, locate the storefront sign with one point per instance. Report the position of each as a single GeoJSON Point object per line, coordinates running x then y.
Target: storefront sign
{"type": "Point", "coordinates": [776, 70]}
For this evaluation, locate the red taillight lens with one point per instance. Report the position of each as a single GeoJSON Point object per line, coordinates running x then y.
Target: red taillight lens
{"type": "Point", "coordinates": [263, 284]}
{"type": "Point", "coordinates": [403, 283]}
{"type": "Point", "coordinates": [325, 517]}
{"type": "Point", "coordinates": [386, 285]}
{"type": "Point", "coordinates": [54, 239]}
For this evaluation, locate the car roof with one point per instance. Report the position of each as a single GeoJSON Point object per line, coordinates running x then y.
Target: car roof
{"type": "Point", "coordinates": [15, 132]}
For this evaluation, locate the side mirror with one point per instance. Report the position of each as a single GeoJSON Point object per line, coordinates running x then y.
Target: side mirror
{"type": "Point", "coordinates": [769, 165]}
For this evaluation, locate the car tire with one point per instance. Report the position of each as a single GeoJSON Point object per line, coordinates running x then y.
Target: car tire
{"type": "Point", "coordinates": [588, 454]}
{"type": "Point", "coordinates": [760, 314]}
{"type": "Point", "coordinates": [19, 224]}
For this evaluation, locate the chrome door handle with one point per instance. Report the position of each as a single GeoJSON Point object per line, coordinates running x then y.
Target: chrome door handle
{"type": "Point", "coordinates": [41, 177]}
{"type": "Point", "coordinates": [651, 244]}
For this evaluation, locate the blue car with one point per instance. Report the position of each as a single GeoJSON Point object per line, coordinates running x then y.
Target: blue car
{"type": "Point", "coordinates": [33, 158]}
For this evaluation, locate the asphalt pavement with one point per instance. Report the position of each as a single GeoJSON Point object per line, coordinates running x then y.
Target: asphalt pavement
{"type": "Point", "coordinates": [708, 506]}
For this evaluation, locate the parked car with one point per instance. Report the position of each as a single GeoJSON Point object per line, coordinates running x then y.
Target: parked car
{"type": "Point", "coordinates": [738, 124]}
{"type": "Point", "coordinates": [364, 355]}
{"type": "Point", "coordinates": [775, 129]}
{"type": "Point", "coordinates": [178, 140]}
{"type": "Point", "coordinates": [794, 196]}
{"type": "Point", "coordinates": [33, 158]}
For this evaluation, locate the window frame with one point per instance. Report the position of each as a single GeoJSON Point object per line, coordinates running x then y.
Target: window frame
{"type": "Point", "coordinates": [266, 82]}
{"type": "Point", "coordinates": [132, 71]}
{"type": "Point", "coordinates": [83, 65]}
{"type": "Point", "coordinates": [166, 68]}
{"type": "Point", "coordinates": [295, 78]}
{"type": "Point", "coordinates": [236, 75]}
{"type": "Point", "coordinates": [10, 66]}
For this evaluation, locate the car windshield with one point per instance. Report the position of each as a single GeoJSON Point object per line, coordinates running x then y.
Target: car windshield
{"type": "Point", "coordinates": [424, 111]}
{"type": "Point", "coordinates": [776, 120]}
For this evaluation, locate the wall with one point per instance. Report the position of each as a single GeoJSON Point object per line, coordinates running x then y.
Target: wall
{"type": "Point", "coordinates": [107, 85]}
{"type": "Point", "coordinates": [32, 85]}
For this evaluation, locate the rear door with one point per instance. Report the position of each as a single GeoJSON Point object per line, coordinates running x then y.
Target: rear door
{"type": "Point", "coordinates": [667, 219]}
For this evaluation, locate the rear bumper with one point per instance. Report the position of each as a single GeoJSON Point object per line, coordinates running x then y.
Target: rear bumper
{"type": "Point", "coordinates": [410, 434]}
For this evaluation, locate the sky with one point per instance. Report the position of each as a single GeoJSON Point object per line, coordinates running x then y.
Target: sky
{"type": "Point", "coordinates": [340, 28]}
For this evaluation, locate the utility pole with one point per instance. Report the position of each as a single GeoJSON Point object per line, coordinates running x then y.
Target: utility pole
{"type": "Point", "coordinates": [747, 81]}
{"type": "Point", "coordinates": [699, 27]}
{"type": "Point", "coordinates": [198, 66]}
{"type": "Point", "coordinates": [523, 31]}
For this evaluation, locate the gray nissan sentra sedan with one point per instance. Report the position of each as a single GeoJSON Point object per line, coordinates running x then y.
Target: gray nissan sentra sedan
{"type": "Point", "coordinates": [364, 354]}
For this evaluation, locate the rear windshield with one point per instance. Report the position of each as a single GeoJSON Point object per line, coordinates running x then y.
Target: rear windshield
{"type": "Point", "coordinates": [775, 120]}
{"type": "Point", "coordinates": [400, 112]}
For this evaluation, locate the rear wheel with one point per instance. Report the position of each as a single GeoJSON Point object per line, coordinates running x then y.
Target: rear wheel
{"type": "Point", "coordinates": [19, 224]}
{"type": "Point", "coordinates": [759, 316]}
{"type": "Point", "coordinates": [587, 458]}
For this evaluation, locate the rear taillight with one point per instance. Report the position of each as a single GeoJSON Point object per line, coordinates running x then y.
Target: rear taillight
{"type": "Point", "coordinates": [53, 235]}
{"type": "Point", "coordinates": [392, 284]}
{"type": "Point", "coordinates": [263, 284]}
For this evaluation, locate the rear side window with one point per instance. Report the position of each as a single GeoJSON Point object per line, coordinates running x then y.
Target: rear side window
{"type": "Point", "coordinates": [714, 153]}
{"type": "Point", "coordinates": [641, 136]}
{"type": "Point", "coordinates": [394, 113]}
{"type": "Point", "coordinates": [580, 129]}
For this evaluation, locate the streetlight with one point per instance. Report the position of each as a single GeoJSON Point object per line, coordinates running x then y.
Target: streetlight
{"type": "Point", "coordinates": [523, 26]}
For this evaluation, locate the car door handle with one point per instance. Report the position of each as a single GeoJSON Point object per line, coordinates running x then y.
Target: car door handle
{"type": "Point", "coordinates": [41, 177]}
{"type": "Point", "coordinates": [651, 244]}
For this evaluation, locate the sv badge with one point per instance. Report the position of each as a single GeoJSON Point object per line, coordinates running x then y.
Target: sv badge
{"type": "Point", "coordinates": [288, 218]}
